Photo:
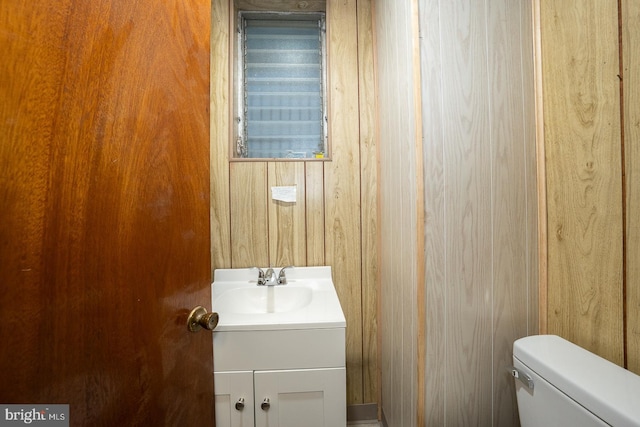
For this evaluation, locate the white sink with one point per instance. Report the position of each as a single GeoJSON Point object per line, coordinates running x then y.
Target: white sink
{"type": "Point", "coordinates": [264, 299]}
{"type": "Point", "coordinates": [308, 300]}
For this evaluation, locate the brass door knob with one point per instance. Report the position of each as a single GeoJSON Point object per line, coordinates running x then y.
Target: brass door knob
{"type": "Point", "coordinates": [199, 318]}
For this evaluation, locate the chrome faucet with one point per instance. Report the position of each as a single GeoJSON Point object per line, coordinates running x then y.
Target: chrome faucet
{"type": "Point", "coordinates": [282, 278]}
{"type": "Point", "coordinates": [268, 278]}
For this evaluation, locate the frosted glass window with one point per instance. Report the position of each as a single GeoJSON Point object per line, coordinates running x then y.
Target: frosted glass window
{"type": "Point", "coordinates": [282, 91]}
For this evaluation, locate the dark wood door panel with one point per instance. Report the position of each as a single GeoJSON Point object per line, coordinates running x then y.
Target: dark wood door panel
{"type": "Point", "coordinates": [104, 209]}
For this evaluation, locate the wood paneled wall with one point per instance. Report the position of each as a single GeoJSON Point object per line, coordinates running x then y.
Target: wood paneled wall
{"type": "Point", "coordinates": [590, 70]}
{"type": "Point", "coordinates": [459, 267]}
{"type": "Point", "coordinates": [398, 88]}
{"type": "Point", "coordinates": [581, 104]}
{"type": "Point", "coordinates": [631, 89]}
{"type": "Point", "coordinates": [333, 221]}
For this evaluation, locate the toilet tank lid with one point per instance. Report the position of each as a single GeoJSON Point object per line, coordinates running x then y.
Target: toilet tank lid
{"type": "Point", "coordinates": [604, 388]}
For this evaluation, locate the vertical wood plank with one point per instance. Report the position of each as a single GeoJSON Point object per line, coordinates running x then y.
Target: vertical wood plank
{"type": "Point", "coordinates": [287, 221]}
{"type": "Point", "coordinates": [631, 70]}
{"type": "Point", "coordinates": [390, 391]}
{"type": "Point", "coordinates": [400, 205]}
{"type": "Point", "coordinates": [582, 144]}
{"type": "Point", "coordinates": [314, 192]}
{"type": "Point", "coordinates": [342, 183]}
{"type": "Point", "coordinates": [509, 142]}
{"type": "Point", "coordinates": [540, 296]}
{"type": "Point", "coordinates": [368, 200]}
{"type": "Point", "coordinates": [418, 314]}
{"type": "Point", "coordinates": [468, 225]}
{"type": "Point", "coordinates": [479, 180]}
{"type": "Point", "coordinates": [530, 217]}
{"type": "Point", "coordinates": [389, 369]}
{"type": "Point", "coordinates": [249, 227]}
{"type": "Point", "coordinates": [435, 214]}
{"type": "Point", "coordinates": [220, 134]}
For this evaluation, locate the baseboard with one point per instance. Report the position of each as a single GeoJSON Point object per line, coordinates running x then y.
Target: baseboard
{"type": "Point", "coordinates": [362, 412]}
{"type": "Point", "coordinates": [384, 419]}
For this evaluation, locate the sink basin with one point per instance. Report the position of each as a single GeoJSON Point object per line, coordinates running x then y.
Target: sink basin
{"type": "Point", "coordinates": [264, 299]}
{"type": "Point", "coordinates": [308, 300]}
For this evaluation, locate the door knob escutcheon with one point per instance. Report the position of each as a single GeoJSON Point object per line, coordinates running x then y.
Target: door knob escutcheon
{"type": "Point", "coordinates": [199, 318]}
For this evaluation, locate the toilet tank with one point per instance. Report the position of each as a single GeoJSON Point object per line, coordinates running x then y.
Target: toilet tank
{"type": "Point", "coordinates": [561, 384]}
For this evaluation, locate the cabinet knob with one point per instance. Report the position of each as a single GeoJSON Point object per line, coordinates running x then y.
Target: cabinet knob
{"type": "Point", "coordinates": [265, 404]}
{"type": "Point", "coordinates": [240, 404]}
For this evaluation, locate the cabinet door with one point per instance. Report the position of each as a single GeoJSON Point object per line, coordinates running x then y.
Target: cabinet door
{"type": "Point", "coordinates": [305, 397]}
{"type": "Point", "coordinates": [230, 388]}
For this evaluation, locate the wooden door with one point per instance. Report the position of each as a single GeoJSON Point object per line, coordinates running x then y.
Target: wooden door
{"type": "Point", "coordinates": [104, 209]}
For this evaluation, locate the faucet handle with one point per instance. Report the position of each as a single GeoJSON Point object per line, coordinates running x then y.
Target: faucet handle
{"type": "Point", "coordinates": [260, 275]}
{"type": "Point", "coordinates": [282, 278]}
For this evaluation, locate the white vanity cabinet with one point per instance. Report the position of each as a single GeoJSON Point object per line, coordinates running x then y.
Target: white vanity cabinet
{"type": "Point", "coordinates": [234, 399]}
{"type": "Point", "coordinates": [281, 398]}
{"type": "Point", "coordinates": [279, 352]}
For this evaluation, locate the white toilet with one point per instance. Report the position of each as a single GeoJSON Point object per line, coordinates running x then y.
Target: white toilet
{"type": "Point", "coordinates": [561, 384]}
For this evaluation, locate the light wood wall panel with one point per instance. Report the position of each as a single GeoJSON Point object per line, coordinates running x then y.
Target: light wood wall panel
{"type": "Point", "coordinates": [333, 220]}
{"type": "Point", "coordinates": [468, 203]}
{"type": "Point", "coordinates": [631, 84]}
{"type": "Point", "coordinates": [432, 54]}
{"type": "Point", "coordinates": [220, 132]}
{"type": "Point", "coordinates": [249, 218]}
{"type": "Point", "coordinates": [287, 220]}
{"type": "Point", "coordinates": [580, 69]}
{"type": "Point", "coordinates": [400, 179]}
{"type": "Point", "coordinates": [342, 180]}
{"type": "Point", "coordinates": [478, 179]}
{"type": "Point", "coordinates": [542, 317]}
{"type": "Point", "coordinates": [314, 182]}
{"type": "Point", "coordinates": [368, 200]}
{"type": "Point", "coordinates": [510, 72]}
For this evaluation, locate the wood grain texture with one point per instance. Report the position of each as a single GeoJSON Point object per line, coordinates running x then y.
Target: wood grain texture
{"type": "Point", "coordinates": [104, 231]}
{"type": "Point", "coordinates": [326, 220]}
{"type": "Point", "coordinates": [342, 183]}
{"type": "Point", "coordinates": [479, 187]}
{"type": "Point", "coordinates": [510, 70]}
{"type": "Point", "coordinates": [314, 191]}
{"type": "Point", "coordinates": [249, 218]}
{"type": "Point", "coordinates": [420, 309]}
{"type": "Point", "coordinates": [433, 123]}
{"type": "Point", "coordinates": [287, 221]}
{"type": "Point", "coordinates": [541, 295]}
{"type": "Point", "coordinates": [219, 84]}
{"type": "Point", "coordinates": [583, 164]}
{"type": "Point", "coordinates": [368, 200]}
{"type": "Point", "coordinates": [468, 203]}
{"type": "Point", "coordinates": [398, 129]}
{"type": "Point", "coordinates": [631, 85]}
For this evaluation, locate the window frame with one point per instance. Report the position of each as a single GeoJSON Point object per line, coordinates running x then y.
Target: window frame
{"type": "Point", "coordinates": [239, 113]}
